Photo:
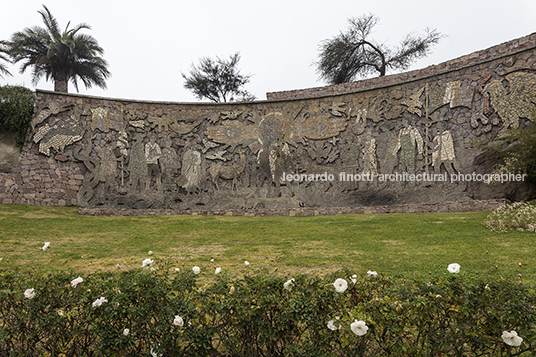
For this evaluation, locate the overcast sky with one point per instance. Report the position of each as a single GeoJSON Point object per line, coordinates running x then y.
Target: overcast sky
{"type": "Point", "coordinates": [148, 44]}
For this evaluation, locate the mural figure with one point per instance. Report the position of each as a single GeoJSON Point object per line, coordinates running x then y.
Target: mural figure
{"type": "Point", "coordinates": [191, 170]}
{"type": "Point", "coordinates": [107, 170]}
{"type": "Point", "coordinates": [518, 102]}
{"type": "Point", "coordinates": [100, 120]}
{"type": "Point", "coordinates": [414, 103]}
{"type": "Point", "coordinates": [443, 151]}
{"type": "Point", "coordinates": [169, 165]}
{"type": "Point", "coordinates": [349, 155]}
{"type": "Point", "coordinates": [122, 152]}
{"type": "Point", "coordinates": [369, 163]}
{"type": "Point", "coordinates": [57, 134]}
{"type": "Point", "coordinates": [387, 148]}
{"type": "Point", "coordinates": [227, 172]}
{"type": "Point", "coordinates": [409, 137]}
{"type": "Point", "coordinates": [152, 154]}
{"type": "Point", "coordinates": [137, 166]}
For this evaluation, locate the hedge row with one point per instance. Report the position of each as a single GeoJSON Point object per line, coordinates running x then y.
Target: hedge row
{"type": "Point", "coordinates": [168, 313]}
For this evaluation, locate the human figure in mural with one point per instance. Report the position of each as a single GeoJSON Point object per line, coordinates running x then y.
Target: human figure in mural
{"type": "Point", "coordinates": [409, 137]}
{"type": "Point", "coordinates": [122, 153]}
{"type": "Point", "coordinates": [443, 150]}
{"type": "Point", "coordinates": [191, 170]}
{"type": "Point", "coordinates": [349, 156]}
{"type": "Point", "coordinates": [137, 166]}
{"type": "Point", "coordinates": [169, 165]}
{"type": "Point", "coordinates": [369, 162]}
{"type": "Point", "coordinates": [152, 154]}
{"type": "Point", "coordinates": [272, 161]}
{"type": "Point", "coordinates": [387, 148]}
{"type": "Point", "coordinates": [107, 170]}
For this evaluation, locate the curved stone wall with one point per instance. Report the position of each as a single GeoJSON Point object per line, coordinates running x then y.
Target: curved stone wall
{"type": "Point", "coordinates": [402, 139]}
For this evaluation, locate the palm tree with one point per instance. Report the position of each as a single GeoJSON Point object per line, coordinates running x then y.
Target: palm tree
{"type": "Point", "coordinates": [60, 56]}
{"type": "Point", "coordinates": [3, 57]}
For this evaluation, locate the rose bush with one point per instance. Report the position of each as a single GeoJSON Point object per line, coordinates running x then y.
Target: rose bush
{"type": "Point", "coordinates": [171, 314]}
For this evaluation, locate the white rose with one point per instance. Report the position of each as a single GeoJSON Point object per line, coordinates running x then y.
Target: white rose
{"type": "Point", "coordinates": [126, 332]}
{"type": "Point", "coordinates": [29, 293]}
{"type": "Point", "coordinates": [147, 263]}
{"type": "Point", "coordinates": [372, 273]}
{"type": "Point", "coordinates": [76, 281]}
{"type": "Point", "coordinates": [178, 321]}
{"type": "Point", "coordinates": [288, 284]}
{"type": "Point", "coordinates": [196, 270]}
{"type": "Point", "coordinates": [454, 268]}
{"type": "Point", "coordinates": [340, 285]}
{"type": "Point", "coordinates": [99, 302]}
{"type": "Point", "coordinates": [359, 327]}
{"type": "Point", "coordinates": [511, 338]}
{"type": "Point", "coordinates": [331, 325]}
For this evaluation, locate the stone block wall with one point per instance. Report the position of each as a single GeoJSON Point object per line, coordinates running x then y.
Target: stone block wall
{"type": "Point", "coordinates": [315, 150]}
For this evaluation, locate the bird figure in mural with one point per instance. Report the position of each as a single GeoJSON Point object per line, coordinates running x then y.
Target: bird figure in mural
{"type": "Point", "coordinates": [517, 102]}
{"type": "Point", "coordinates": [269, 136]}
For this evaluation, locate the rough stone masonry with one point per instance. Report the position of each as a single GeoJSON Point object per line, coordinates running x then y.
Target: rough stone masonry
{"type": "Point", "coordinates": [410, 138]}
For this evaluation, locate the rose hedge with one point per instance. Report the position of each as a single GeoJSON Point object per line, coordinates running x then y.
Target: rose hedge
{"type": "Point", "coordinates": [254, 315]}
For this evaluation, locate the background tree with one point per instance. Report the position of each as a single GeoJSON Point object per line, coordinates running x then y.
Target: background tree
{"type": "Point", "coordinates": [60, 56]}
{"type": "Point", "coordinates": [354, 53]}
{"type": "Point", "coordinates": [3, 57]}
{"type": "Point", "coordinates": [16, 109]}
{"type": "Point", "coordinates": [218, 80]}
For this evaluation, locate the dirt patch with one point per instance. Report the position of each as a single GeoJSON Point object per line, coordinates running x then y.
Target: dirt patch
{"type": "Point", "coordinates": [392, 242]}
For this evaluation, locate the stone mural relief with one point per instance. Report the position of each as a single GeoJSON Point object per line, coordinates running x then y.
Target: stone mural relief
{"type": "Point", "coordinates": [302, 153]}
{"type": "Point", "coordinates": [513, 98]}
{"type": "Point", "coordinates": [57, 132]}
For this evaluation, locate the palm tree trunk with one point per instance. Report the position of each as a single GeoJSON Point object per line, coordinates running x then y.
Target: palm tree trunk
{"type": "Point", "coordinates": [60, 85]}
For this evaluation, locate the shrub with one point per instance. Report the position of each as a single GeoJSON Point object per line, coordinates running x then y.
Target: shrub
{"type": "Point", "coordinates": [136, 313]}
{"type": "Point", "coordinates": [16, 110]}
{"type": "Point", "coordinates": [520, 216]}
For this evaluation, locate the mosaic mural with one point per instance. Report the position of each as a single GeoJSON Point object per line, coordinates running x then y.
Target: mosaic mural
{"type": "Point", "coordinates": [383, 146]}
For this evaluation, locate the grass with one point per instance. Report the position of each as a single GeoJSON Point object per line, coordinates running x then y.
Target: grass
{"type": "Point", "coordinates": [410, 245]}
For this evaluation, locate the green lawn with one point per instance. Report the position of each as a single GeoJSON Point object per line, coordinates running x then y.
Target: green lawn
{"type": "Point", "coordinates": [411, 245]}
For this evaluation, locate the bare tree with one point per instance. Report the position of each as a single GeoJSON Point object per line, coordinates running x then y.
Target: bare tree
{"type": "Point", "coordinates": [218, 80]}
{"type": "Point", "coordinates": [353, 53]}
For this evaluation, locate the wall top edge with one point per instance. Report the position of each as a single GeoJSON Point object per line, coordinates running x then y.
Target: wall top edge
{"type": "Point", "coordinates": [514, 46]}
{"type": "Point", "coordinates": [77, 95]}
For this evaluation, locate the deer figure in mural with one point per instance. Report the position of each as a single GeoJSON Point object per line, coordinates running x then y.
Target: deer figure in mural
{"type": "Point", "coordinates": [231, 172]}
